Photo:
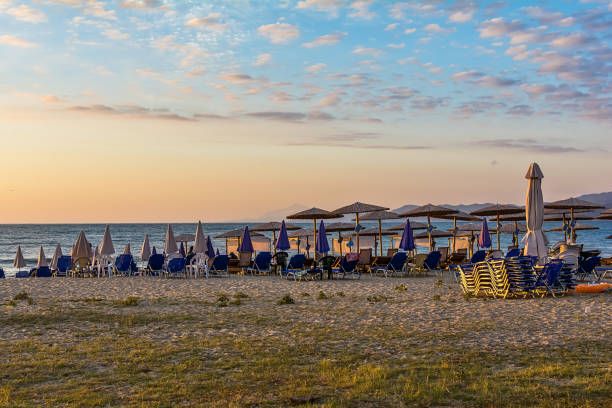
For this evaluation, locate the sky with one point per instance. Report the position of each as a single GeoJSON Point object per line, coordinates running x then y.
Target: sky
{"type": "Point", "coordinates": [160, 111]}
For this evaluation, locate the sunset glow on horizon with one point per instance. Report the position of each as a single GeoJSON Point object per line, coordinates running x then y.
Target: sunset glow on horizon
{"type": "Point", "coordinates": [159, 111]}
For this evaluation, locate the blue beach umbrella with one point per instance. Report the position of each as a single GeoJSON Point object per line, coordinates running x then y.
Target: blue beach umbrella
{"type": "Point", "coordinates": [246, 245]}
{"type": "Point", "coordinates": [407, 242]}
{"type": "Point", "coordinates": [182, 250]}
{"type": "Point", "coordinates": [210, 251]}
{"type": "Point", "coordinates": [322, 246]}
{"type": "Point", "coordinates": [217, 252]}
{"type": "Point", "coordinates": [484, 240]}
{"type": "Point", "coordinates": [282, 243]}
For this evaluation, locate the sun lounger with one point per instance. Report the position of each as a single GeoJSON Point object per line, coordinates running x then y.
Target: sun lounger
{"type": "Point", "coordinates": [548, 279]}
{"type": "Point", "coordinates": [513, 252]}
{"type": "Point", "coordinates": [219, 266]}
{"type": "Point", "coordinates": [261, 264]}
{"type": "Point", "coordinates": [347, 269]}
{"type": "Point", "coordinates": [63, 265]}
{"type": "Point", "coordinates": [395, 265]}
{"type": "Point", "coordinates": [176, 267]}
{"type": "Point", "coordinates": [429, 262]}
{"type": "Point", "coordinates": [2, 273]}
{"type": "Point", "coordinates": [124, 265]}
{"type": "Point", "coordinates": [586, 268]}
{"type": "Point", "coordinates": [295, 267]}
{"type": "Point", "coordinates": [42, 272]}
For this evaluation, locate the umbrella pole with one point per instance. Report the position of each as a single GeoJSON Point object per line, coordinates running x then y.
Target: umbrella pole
{"type": "Point", "coordinates": [340, 243]}
{"type": "Point", "coordinates": [429, 230]}
{"type": "Point", "coordinates": [226, 247]}
{"type": "Point", "coordinates": [314, 238]}
{"type": "Point", "coordinates": [454, 232]}
{"type": "Point", "coordinates": [274, 241]}
{"type": "Point", "coordinates": [572, 226]}
{"type": "Point", "coordinates": [498, 234]}
{"type": "Point", "coordinates": [515, 234]}
{"type": "Point", "coordinates": [564, 230]}
{"type": "Point", "coordinates": [356, 224]}
{"type": "Point", "coordinates": [380, 236]}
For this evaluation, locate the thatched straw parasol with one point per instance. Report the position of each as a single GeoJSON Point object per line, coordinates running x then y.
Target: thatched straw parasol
{"type": "Point", "coordinates": [379, 216]}
{"type": "Point", "coordinates": [359, 208]}
{"type": "Point", "coordinates": [430, 211]}
{"type": "Point", "coordinates": [314, 214]}
{"type": "Point", "coordinates": [498, 210]}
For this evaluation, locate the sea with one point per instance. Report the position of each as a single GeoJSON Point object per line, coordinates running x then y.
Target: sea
{"type": "Point", "coordinates": [31, 236]}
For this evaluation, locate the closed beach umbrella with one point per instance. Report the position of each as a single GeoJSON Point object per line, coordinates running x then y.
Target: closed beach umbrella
{"type": "Point", "coordinates": [81, 247]}
{"type": "Point", "coordinates": [154, 251]}
{"type": "Point", "coordinates": [283, 239]}
{"type": "Point", "coordinates": [42, 260]}
{"type": "Point", "coordinates": [407, 242]}
{"type": "Point", "coordinates": [199, 245]}
{"type": "Point", "coordinates": [145, 251]}
{"type": "Point", "coordinates": [106, 247]}
{"type": "Point", "coordinates": [127, 250]}
{"type": "Point", "coordinates": [19, 262]}
{"type": "Point", "coordinates": [246, 245]}
{"type": "Point", "coordinates": [535, 241]}
{"type": "Point", "coordinates": [273, 227]}
{"type": "Point", "coordinates": [170, 246]}
{"type": "Point", "coordinates": [322, 246]}
{"type": "Point", "coordinates": [56, 256]}
{"type": "Point", "coordinates": [359, 208]}
{"type": "Point", "coordinates": [210, 251]}
{"type": "Point", "coordinates": [182, 250]}
{"type": "Point", "coordinates": [313, 214]}
{"type": "Point", "coordinates": [484, 240]}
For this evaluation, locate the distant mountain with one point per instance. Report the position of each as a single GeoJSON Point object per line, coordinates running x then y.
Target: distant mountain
{"type": "Point", "coordinates": [467, 208]}
{"type": "Point", "coordinates": [604, 199]}
{"type": "Point", "coordinates": [278, 214]}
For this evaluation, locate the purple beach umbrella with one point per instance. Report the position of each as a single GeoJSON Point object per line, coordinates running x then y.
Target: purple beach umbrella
{"type": "Point", "coordinates": [246, 245]}
{"type": "Point", "coordinates": [182, 250]}
{"type": "Point", "coordinates": [154, 251]}
{"type": "Point", "coordinates": [282, 243]}
{"type": "Point", "coordinates": [322, 245]}
{"type": "Point", "coordinates": [484, 240]}
{"type": "Point", "coordinates": [210, 251]}
{"type": "Point", "coordinates": [217, 252]}
{"type": "Point", "coordinates": [407, 242]}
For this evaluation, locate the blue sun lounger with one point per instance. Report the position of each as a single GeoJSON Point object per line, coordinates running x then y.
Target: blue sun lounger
{"type": "Point", "coordinates": [261, 264]}
{"type": "Point", "coordinates": [155, 265]}
{"type": "Point", "coordinates": [124, 265]}
{"type": "Point", "coordinates": [395, 265]}
{"type": "Point", "coordinates": [347, 268]}
{"type": "Point", "coordinates": [586, 268]}
{"type": "Point", "coordinates": [219, 266]}
{"type": "Point", "coordinates": [64, 263]}
{"type": "Point", "coordinates": [295, 267]}
{"type": "Point", "coordinates": [176, 267]}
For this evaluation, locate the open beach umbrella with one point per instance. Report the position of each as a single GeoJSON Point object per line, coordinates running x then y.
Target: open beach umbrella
{"type": "Point", "coordinates": [434, 234]}
{"type": "Point", "coordinates": [170, 246]}
{"type": "Point", "coordinates": [145, 251]}
{"type": "Point", "coordinates": [283, 239]}
{"type": "Point", "coordinates": [606, 216]}
{"type": "Point", "coordinates": [535, 241]}
{"type": "Point", "coordinates": [573, 204]}
{"type": "Point", "coordinates": [302, 233]}
{"type": "Point", "coordinates": [127, 250]}
{"type": "Point", "coordinates": [458, 216]}
{"type": "Point", "coordinates": [322, 245]}
{"type": "Point", "coordinates": [246, 245]}
{"type": "Point", "coordinates": [19, 261]}
{"type": "Point", "coordinates": [578, 227]}
{"type": "Point", "coordinates": [199, 245]}
{"type": "Point", "coordinates": [407, 242]}
{"type": "Point", "coordinates": [414, 225]}
{"type": "Point", "coordinates": [210, 250]}
{"type": "Point", "coordinates": [81, 247]}
{"type": "Point", "coordinates": [313, 214]}
{"type": "Point", "coordinates": [42, 260]}
{"type": "Point", "coordinates": [106, 247]}
{"type": "Point", "coordinates": [56, 256]}
{"type": "Point", "coordinates": [235, 234]}
{"type": "Point", "coordinates": [273, 227]}
{"type": "Point", "coordinates": [430, 211]}
{"type": "Point", "coordinates": [379, 216]}
{"type": "Point", "coordinates": [484, 240]}
{"type": "Point", "coordinates": [498, 210]}
{"type": "Point", "coordinates": [339, 227]}
{"type": "Point", "coordinates": [359, 208]}
{"type": "Point", "coordinates": [182, 250]}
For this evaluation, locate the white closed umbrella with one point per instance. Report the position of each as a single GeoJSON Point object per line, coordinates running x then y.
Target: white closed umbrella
{"type": "Point", "coordinates": [81, 247]}
{"type": "Point", "coordinates": [19, 261]}
{"type": "Point", "coordinates": [56, 256]}
{"type": "Point", "coordinates": [127, 250]}
{"type": "Point", "coordinates": [535, 241]}
{"type": "Point", "coordinates": [199, 245]}
{"type": "Point", "coordinates": [106, 246]}
{"type": "Point", "coordinates": [96, 256]}
{"type": "Point", "coordinates": [145, 251]}
{"type": "Point", "coordinates": [170, 242]}
{"type": "Point", "coordinates": [42, 260]}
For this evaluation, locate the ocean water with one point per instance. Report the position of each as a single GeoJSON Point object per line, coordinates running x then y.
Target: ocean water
{"type": "Point", "coordinates": [32, 236]}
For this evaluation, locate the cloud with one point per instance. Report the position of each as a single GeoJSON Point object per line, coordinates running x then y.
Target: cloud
{"type": "Point", "coordinates": [100, 70]}
{"type": "Point", "coordinates": [291, 116]}
{"type": "Point", "coordinates": [409, 30]}
{"type": "Point", "coordinates": [134, 111]}
{"type": "Point", "coordinates": [476, 107]}
{"type": "Point", "coordinates": [196, 72]}
{"type": "Point", "coordinates": [368, 51]}
{"type": "Point", "coordinates": [520, 110]}
{"type": "Point", "coordinates": [209, 23]}
{"type": "Point", "coordinates": [17, 42]}
{"type": "Point", "coordinates": [235, 78]}
{"type": "Point", "coordinates": [391, 27]}
{"type": "Point", "coordinates": [27, 14]}
{"type": "Point", "coordinates": [96, 8]}
{"type": "Point", "coordinates": [572, 40]}
{"type": "Point", "coordinates": [262, 59]}
{"type": "Point", "coordinates": [146, 72]}
{"type": "Point", "coordinates": [332, 99]}
{"type": "Point", "coordinates": [497, 27]}
{"type": "Point", "coordinates": [536, 90]}
{"type": "Point", "coordinates": [115, 34]}
{"type": "Point", "coordinates": [495, 82]}
{"type": "Point", "coordinates": [461, 16]}
{"type": "Point", "coordinates": [50, 99]}
{"type": "Point", "coordinates": [328, 39]}
{"type": "Point", "coordinates": [315, 68]}
{"type": "Point", "coordinates": [279, 33]}
{"type": "Point", "coordinates": [396, 46]}
{"type": "Point", "coordinates": [353, 141]}
{"type": "Point", "coordinates": [435, 28]}
{"type": "Point", "coordinates": [330, 6]}
{"type": "Point", "coordinates": [465, 75]}
{"type": "Point", "coordinates": [526, 144]}
{"type": "Point", "coordinates": [362, 9]}
{"type": "Point", "coordinates": [139, 4]}
{"type": "Point", "coordinates": [519, 52]}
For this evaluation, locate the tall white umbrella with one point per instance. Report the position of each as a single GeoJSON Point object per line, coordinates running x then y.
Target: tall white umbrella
{"type": "Point", "coordinates": [42, 260]}
{"type": "Point", "coordinates": [106, 246]}
{"type": "Point", "coordinates": [170, 243]}
{"type": "Point", "coordinates": [199, 245]}
{"type": "Point", "coordinates": [56, 256]}
{"type": "Point", "coordinates": [145, 251]}
{"type": "Point", "coordinates": [535, 241]}
{"type": "Point", "coordinates": [81, 247]}
{"type": "Point", "coordinates": [127, 250]}
{"type": "Point", "coordinates": [19, 262]}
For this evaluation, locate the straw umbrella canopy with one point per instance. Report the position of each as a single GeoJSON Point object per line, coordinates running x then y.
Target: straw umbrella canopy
{"type": "Point", "coordinates": [430, 211]}
{"type": "Point", "coordinates": [374, 232]}
{"type": "Point", "coordinates": [609, 237]}
{"type": "Point", "coordinates": [56, 256]}
{"type": "Point", "coordinates": [359, 208]}
{"type": "Point", "coordinates": [379, 216]}
{"type": "Point", "coordinates": [81, 247]}
{"type": "Point", "coordinates": [573, 204]}
{"type": "Point", "coordinates": [458, 216]}
{"type": "Point", "coordinates": [42, 260]}
{"type": "Point", "coordinates": [511, 229]}
{"type": "Point", "coordinates": [273, 227]}
{"type": "Point", "coordinates": [606, 216]}
{"type": "Point", "coordinates": [498, 210]}
{"type": "Point", "coordinates": [199, 245]}
{"type": "Point", "coordinates": [145, 250]}
{"type": "Point", "coordinates": [302, 233]}
{"type": "Point", "coordinates": [170, 246]}
{"type": "Point", "coordinates": [578, 227]}
{"type": "Point", "coordinates": [19, 261]}
{"type": "Point", "coordinates": [434, 234]}
{"type": "Point", "coordinates": [314, 214]}
{"type": "Point", "coordinates": [339, 227]}
{"type": "Point", "coordinates": [236, 234]}
{"type": "Point", "coordinates": [414, 225]}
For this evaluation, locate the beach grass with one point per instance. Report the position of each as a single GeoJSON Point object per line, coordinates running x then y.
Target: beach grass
{"type": "Point", "coordinates": [181, 351]}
